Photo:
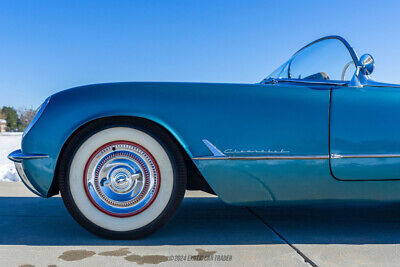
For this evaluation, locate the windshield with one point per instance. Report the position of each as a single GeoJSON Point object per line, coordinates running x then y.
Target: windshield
{"type": "Point", "coordinates": [327, 59]}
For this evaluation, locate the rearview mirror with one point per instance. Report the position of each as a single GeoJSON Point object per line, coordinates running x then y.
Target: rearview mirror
{"type": "Point", "coordinates": [368, 64]}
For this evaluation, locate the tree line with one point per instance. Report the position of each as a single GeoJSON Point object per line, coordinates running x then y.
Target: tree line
{"type": "Point", "coordinates": [17, 120]}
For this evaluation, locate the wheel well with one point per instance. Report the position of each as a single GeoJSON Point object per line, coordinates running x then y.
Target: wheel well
{"type": "Point", "coordinates": [195, 181]}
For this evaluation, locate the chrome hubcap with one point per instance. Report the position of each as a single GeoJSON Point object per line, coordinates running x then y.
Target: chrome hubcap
{"type": "Point", "coordinates": [121, 178]}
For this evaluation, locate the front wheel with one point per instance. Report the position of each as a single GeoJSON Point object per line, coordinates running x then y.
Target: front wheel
{"type": "Point", "coordinates": [120, 181]}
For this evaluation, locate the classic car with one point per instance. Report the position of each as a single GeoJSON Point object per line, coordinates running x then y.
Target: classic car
{"type": "Point", "coordinates": [122, 155]}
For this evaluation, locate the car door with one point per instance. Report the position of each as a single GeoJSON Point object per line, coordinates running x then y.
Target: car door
{"type": "Point", "coordinates": [365, 132]}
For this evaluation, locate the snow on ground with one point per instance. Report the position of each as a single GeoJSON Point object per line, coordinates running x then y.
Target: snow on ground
{"type": "Point", "coordinates": [8, 143]}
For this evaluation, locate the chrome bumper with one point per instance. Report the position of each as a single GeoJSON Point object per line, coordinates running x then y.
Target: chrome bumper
{"type": "Point", "coordinates": [17, 156]}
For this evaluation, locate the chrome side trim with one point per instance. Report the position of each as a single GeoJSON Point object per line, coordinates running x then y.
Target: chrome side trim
{"type": "Point", "coordinates": [333, 156]}
{"type": "Point", "coordinates": [18, 156]}
{"type": "Point", "coordinates": [219, 155]}
{"type": "Point", "coordinates": [360, 156]}
{"type": "Point", "coordinates": [214, 150]}
{"type": "Point", "coordinates": [263, 157]}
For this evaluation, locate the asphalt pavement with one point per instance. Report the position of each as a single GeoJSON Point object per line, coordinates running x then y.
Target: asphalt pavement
{"type": "Point", "coordinates": [204, 232]}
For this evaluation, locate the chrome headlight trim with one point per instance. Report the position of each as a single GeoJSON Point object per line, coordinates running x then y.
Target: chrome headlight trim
{"type": "Point", "coordinates": [39, 112]}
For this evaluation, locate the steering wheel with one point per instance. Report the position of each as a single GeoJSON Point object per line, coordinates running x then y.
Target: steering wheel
{"type": "Point", "coordinates": [345, 69]}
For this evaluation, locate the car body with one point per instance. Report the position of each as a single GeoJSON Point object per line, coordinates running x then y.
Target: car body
{"type": "Point", "coordinates": [287, 139]}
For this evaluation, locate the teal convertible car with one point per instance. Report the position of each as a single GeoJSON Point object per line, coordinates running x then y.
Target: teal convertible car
{"type": "Point", "coordinates": [318, 129]}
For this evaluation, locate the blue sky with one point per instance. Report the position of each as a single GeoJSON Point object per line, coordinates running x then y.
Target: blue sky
{"type": "Point", "coordinates": [48, 46]}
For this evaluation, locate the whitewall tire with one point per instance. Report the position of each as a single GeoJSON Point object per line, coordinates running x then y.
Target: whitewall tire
{"type": "Point", "coordinates": [122, 178]}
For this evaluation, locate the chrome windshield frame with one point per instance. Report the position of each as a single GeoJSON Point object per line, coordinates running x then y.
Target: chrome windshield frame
{"type": "Point", "coordinates": [352, 52]}
{"type": "Point", "coordinates": [346, 44]}
{"type": "Point", "coordinates": [360, 79]}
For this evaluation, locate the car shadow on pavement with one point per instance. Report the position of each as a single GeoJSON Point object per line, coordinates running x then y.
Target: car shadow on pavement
{"type": "Point", "coordinates": [350, 223]}
{"type": "Point", "coordinates": [208, 221]}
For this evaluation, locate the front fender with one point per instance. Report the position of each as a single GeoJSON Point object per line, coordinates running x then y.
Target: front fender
{"type": "Point", "coordinates": [68, 110]}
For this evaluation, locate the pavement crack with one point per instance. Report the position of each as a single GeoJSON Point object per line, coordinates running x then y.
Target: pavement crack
{"type": "Point", "coordinates": [301, 254]}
